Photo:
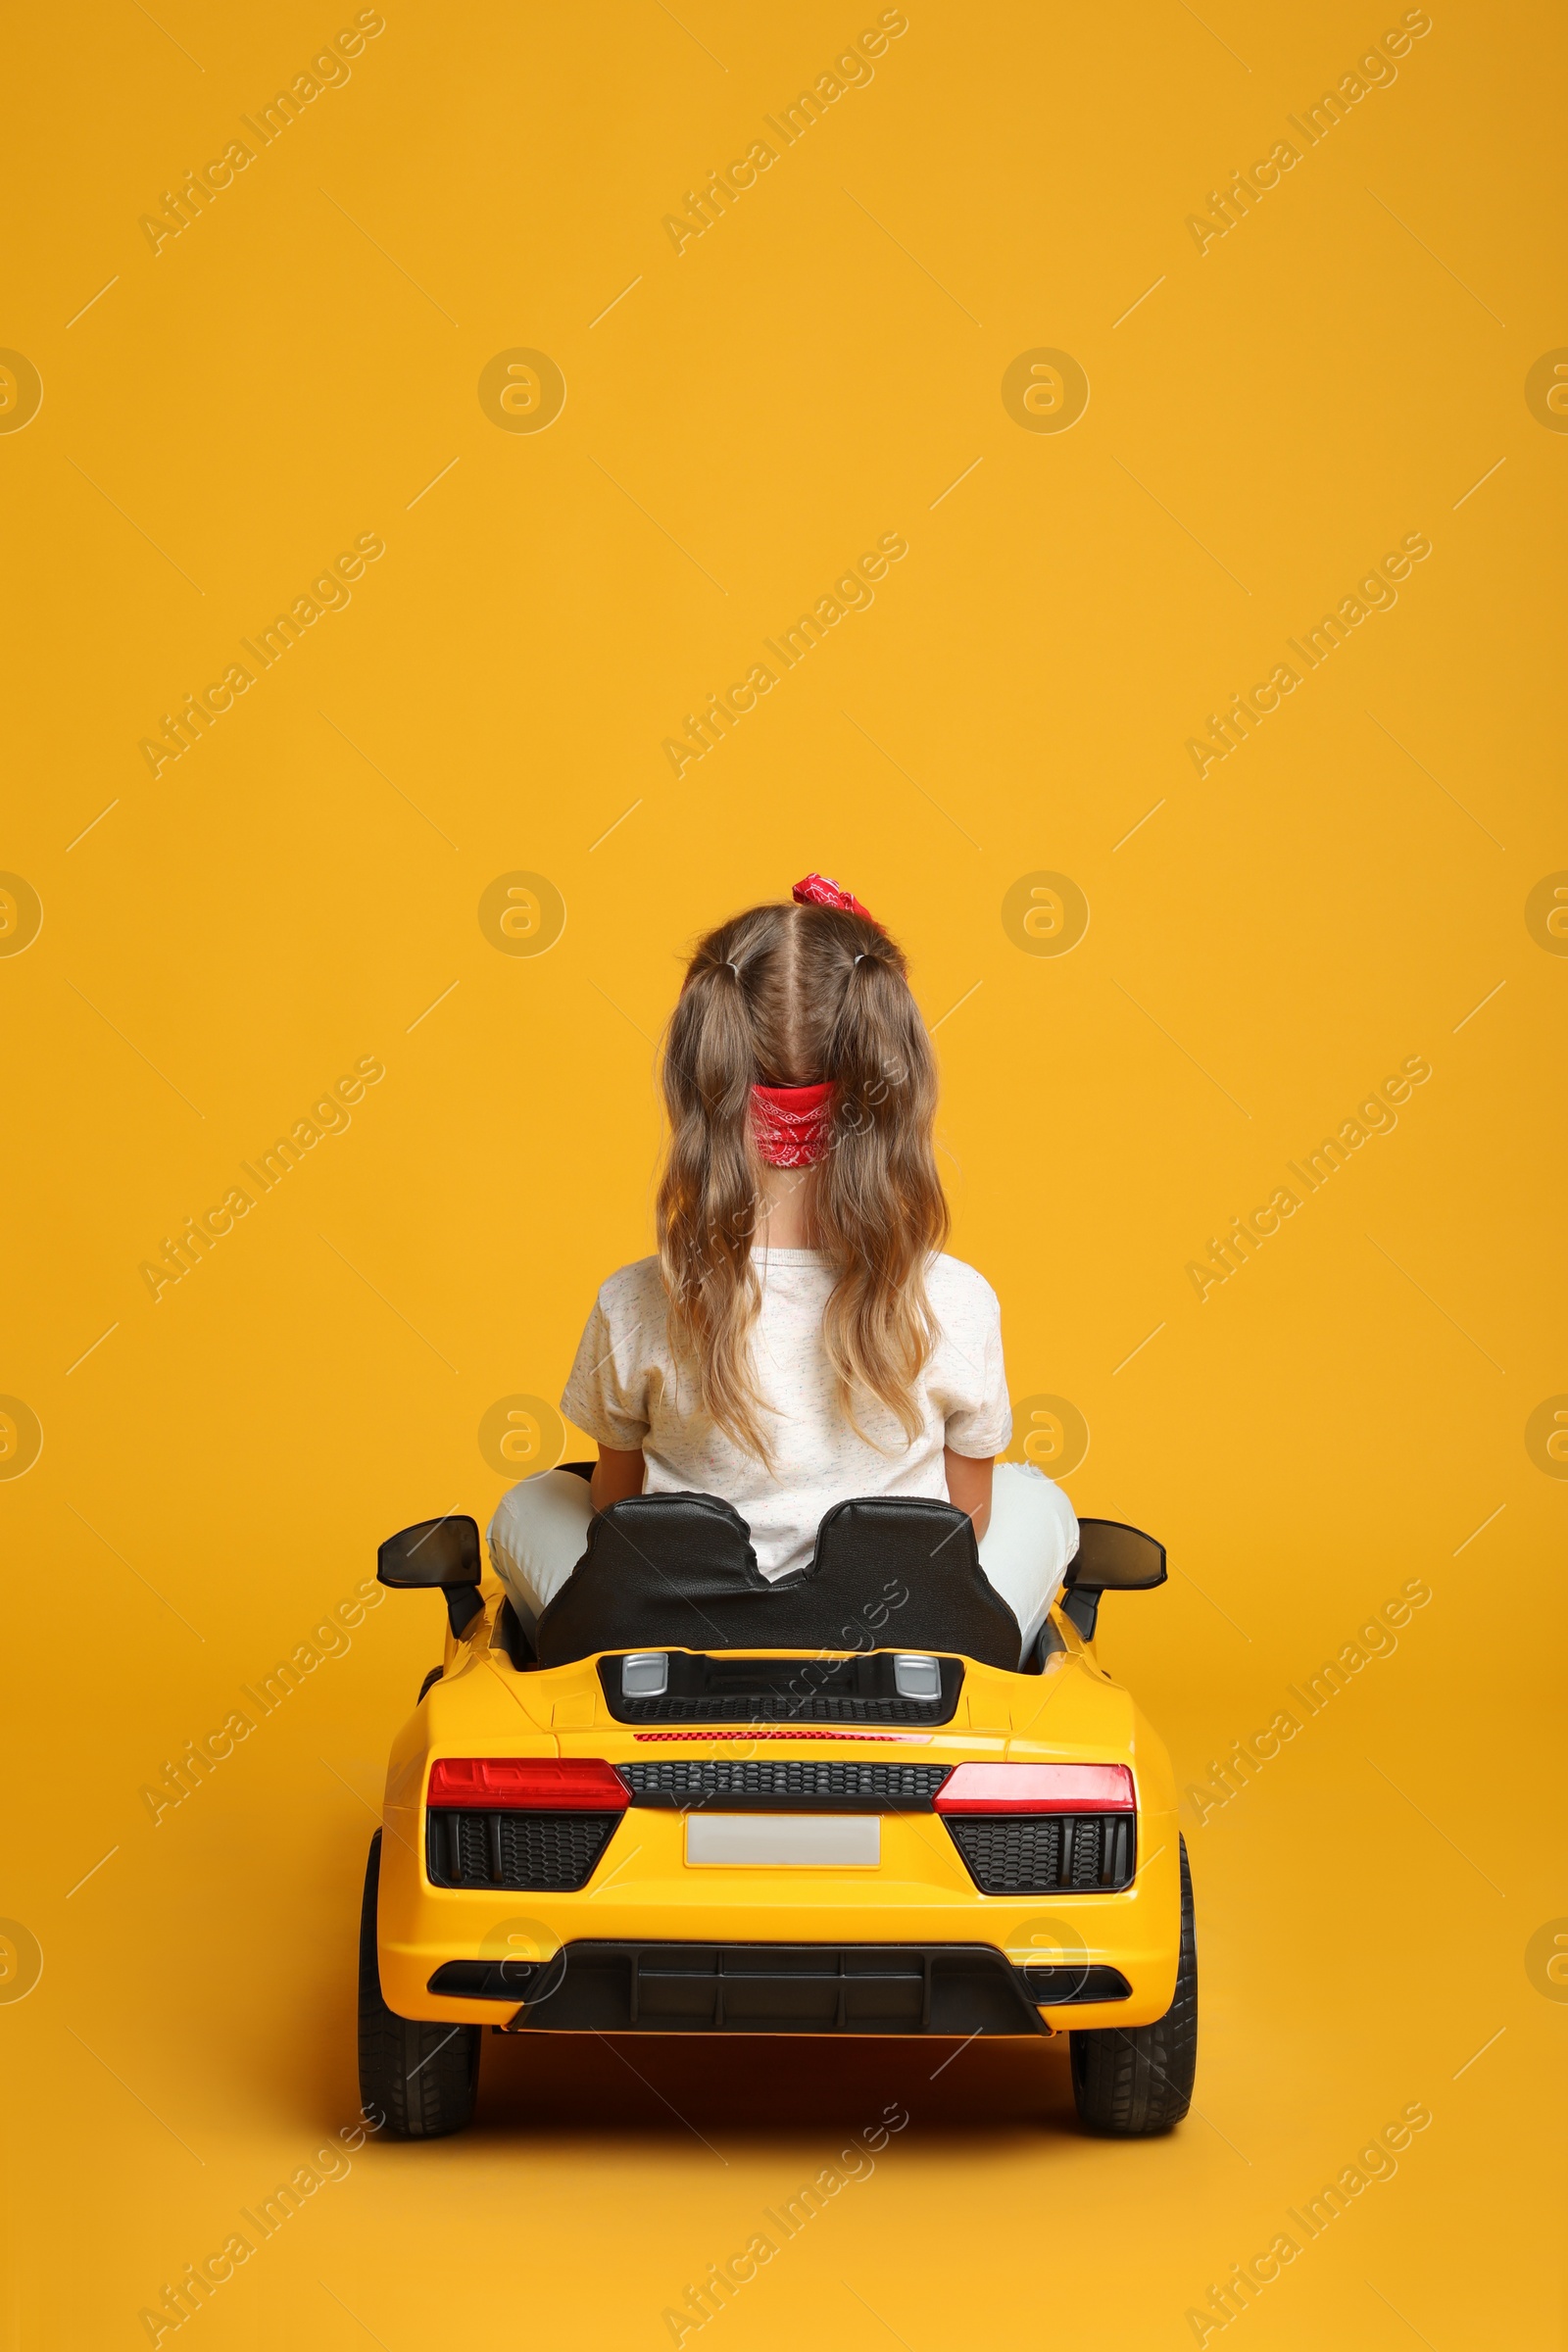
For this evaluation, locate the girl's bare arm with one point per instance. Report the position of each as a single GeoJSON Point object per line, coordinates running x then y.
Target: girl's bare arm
{"type": "Point", "coordinates": [615, 1476]}
{"type": "Point", "coordinates": [969, 1487]}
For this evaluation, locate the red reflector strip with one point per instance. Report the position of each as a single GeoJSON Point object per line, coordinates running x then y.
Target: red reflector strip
{"type": "Point", "coordinates": [760, 1734]}
{"type": "Point", "coordinates": [1036, 1789]}
{"type": "Point", "coordinates": [527, 1785]}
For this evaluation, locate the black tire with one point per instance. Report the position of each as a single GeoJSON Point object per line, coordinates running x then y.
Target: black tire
{"type": "Point", "coordinates": [422, 2078]}
{"type": "Point", "coordinates": [1132, 2082]}
{"type": "Point", "coordinates": [434, 1676]}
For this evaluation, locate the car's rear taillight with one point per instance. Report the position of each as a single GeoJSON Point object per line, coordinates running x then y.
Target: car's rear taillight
{"type": "Point", "coordinates": [1036, 1789]}
{"type": "Point", "coordinates": [527, 1785]}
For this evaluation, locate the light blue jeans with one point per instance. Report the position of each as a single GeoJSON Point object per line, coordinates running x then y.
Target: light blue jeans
{"type": "Point", "coordinates": [540, 1529]}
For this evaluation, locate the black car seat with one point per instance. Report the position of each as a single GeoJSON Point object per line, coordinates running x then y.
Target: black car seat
{"type": "Point", "coordinates": [678, 1571]}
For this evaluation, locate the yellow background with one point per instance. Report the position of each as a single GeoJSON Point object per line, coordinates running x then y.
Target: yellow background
{"type": "Point", "coordinates": [293, 894]}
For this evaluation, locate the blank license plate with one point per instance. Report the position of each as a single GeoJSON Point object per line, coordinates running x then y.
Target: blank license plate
{"type": "Point", "coordinates": [774, 1840]}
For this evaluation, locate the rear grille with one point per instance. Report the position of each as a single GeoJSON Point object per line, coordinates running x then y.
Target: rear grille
{"type": "Point", "coordinates": [778, 1706]}
{"type": "Point", "coordinates": [547, 1852]}
{"type": "Point", "coordinates": [785, 1784]}
{"type": "Point", "coordinates": [1045, 1853]}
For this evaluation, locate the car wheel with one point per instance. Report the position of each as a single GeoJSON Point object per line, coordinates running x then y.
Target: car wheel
{"type": "Point", "coordinates": [434, 1676]}
{"type": "Point", "coordinates": [1129, 2082]}
{"type": "Point", "coordinates": [420, 2077]}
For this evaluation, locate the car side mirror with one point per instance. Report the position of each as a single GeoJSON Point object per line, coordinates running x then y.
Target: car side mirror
{"type": "Point", "coordinates": [442, 1553]}
{"type": "Point", "coordinates": [1112, 1557]}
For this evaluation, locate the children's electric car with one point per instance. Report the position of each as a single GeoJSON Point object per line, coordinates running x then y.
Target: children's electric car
{"type": "Point", "coordinates": [689, 1801]}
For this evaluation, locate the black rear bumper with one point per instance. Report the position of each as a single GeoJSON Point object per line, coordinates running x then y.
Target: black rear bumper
{"type": "Point", "coordinates": [604, 1988]}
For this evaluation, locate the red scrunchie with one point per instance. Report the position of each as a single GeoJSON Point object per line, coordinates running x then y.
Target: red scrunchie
{"type": "Point", "coordinates": [818, 891]}
{"type": "Point", "coordinates": [793, 1124]}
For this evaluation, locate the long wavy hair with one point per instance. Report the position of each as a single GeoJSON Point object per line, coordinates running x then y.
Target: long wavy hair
{"type": "Point", "coordinates": [791, 996]}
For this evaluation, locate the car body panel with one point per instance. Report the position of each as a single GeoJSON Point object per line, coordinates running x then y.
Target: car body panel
{"type": "Point", "coordinates": [644, 1891]}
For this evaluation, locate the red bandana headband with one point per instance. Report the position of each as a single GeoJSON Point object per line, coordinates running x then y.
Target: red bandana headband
{"type": "Point", "coordinates": [793, 1124]}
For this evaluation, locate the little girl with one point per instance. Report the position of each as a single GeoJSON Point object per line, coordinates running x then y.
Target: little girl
{"type": "Point", "coordinates": [800, 1339]}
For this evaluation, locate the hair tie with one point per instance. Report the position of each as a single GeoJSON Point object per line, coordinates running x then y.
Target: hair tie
{"type": "Point", "coordinates": [816, 890]}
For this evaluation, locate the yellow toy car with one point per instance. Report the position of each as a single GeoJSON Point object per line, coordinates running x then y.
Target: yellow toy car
{"type": "Point", "coordinates": [689, 1801]}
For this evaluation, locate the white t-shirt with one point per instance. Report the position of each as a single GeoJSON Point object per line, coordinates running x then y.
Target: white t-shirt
{"type": "Point", "coordinates": [626, 1391]}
